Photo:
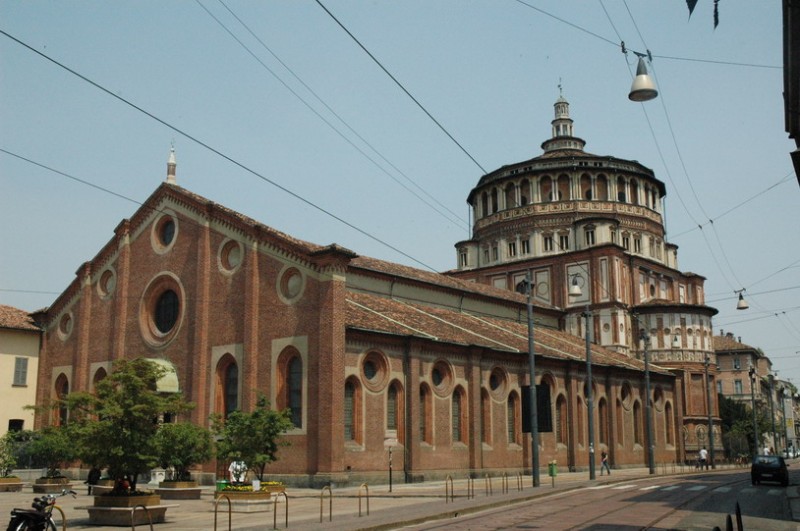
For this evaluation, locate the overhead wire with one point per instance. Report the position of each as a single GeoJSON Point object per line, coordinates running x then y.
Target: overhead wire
{"type": "Point", "coordinates": [403, 88]}
{"type": "Point", "coordinates": [458, 220]}
{"type": "Point", "coordinates": [217, 152]}
{"type": "Point", "coordinates": [328, 107]}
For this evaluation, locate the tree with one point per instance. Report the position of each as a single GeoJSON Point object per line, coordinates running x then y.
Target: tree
{"type": "Point", "coordinates": [115, 427]}
{"type": "Point", "coordinates": [252, 437]}
{"type": "Point", "coordinates": [737, 421]}
{"type": "Point", "coordinates": [53, 446]}
{"type": "Point", "coordinates": [182, 446]}
{"type": "Point", "coordinates": [8, 459]}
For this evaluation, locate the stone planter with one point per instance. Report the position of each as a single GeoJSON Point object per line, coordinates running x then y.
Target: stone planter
{"type": "Point", "coordinates": [10, 484]}
{"type": "Point", "coordinates": [124, 511]}
{"type": "Point", "coordinates": [103, 486]}
{"type": "Point", "coordinates": [179, 490]}
{"type": "Point", "coordinates": [243, 501]}
{"type": "Point", "coordinates": [51, 485]}
{"type": "Point", "coordinates": [127, 501]}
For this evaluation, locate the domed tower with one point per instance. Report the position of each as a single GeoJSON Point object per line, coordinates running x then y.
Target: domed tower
{"type": "Point", "coordinates": [593, 225]}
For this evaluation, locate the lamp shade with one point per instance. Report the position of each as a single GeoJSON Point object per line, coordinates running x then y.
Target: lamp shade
{"type": "Point", "coordinates": [742, 304]}
{"type": "Point", "coordinates": [574, 288]}
{"type": "Point", "coordinates": [643, 87]}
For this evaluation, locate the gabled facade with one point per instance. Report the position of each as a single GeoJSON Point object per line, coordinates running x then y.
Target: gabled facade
{"type": "Point", "coordinates": [365, 353]}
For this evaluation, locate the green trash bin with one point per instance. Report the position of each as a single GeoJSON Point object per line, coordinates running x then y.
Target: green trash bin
{"type": "Point", "coordinates": [552, 469]}
{"type": "Point", "coordinates": [221, 484]}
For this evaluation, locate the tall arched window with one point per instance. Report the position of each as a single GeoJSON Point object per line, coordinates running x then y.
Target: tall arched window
{"type": "Point", "coordinates": [513, 419]}
{"type": "Point", "coordinates": [563, 188]}
{"type": "Point", "coordinates": [459, 420]}
{"type": "Point", "coordinates": [98, 376]}
{"type": "Point", "coordinates": [227, 386]}
{"type": "Point", "coordinates": [352, 411]}
{"type": "Point", "coordinates": [620, 423]}
{"type": "Point", "coordinates": [294, 389]}
{"type": "Point", "coordinates": [602, 413]}
{"type": "Point", "coordinates": [511, 196]}
{"type": "Point", "coordinates": [634, 187]}
{"type": "Point", "coordinates": [395, 409]}
{"type": "Point", "coordinates": [669, 425]}
{"type": "Point", "coordinates": [561, 420]}
{"type": "Point", "coordinates": [425, 415]}
{"type": "Point", "coordinates": [484, 204]}
{"type": "Point", "coordinates": [579, 420]}
{"type": "Point", "coordinates": [61, 391]}
{"type": "Point", "coordinates": [601, 183]}
{"type": "Point", "coordinates": [486, 417]}
{"type": "Point", "coordinates": [637, 423]}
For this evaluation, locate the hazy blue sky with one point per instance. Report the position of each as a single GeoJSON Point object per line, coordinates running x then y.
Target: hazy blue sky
{"type": "Point", "coordinates": [488, 71]}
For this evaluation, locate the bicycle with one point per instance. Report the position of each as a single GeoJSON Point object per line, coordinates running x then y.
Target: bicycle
{"type": "Point", "coordinates": [40, 517]}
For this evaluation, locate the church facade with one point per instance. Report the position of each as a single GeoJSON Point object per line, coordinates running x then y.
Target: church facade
{"type": "Point", "coordinates": [371, 356]}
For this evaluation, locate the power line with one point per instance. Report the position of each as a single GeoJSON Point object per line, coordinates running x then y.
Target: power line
{"type": "Point", "coordinates": [219, 153]}
{"type": "Point", "coordinates": [458, 220]}
{"type": "Point", "coordinates": [445, 131]}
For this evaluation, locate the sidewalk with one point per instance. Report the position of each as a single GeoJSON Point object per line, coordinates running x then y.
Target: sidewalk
{"type": "Point", "coordinates": [407, 504]}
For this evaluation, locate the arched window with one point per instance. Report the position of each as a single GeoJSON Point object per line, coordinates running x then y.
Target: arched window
{"type": "Point", "coordinates": [511, 196]}
{"type": "Point", "coordinates": [495, 206]}
{"type": "Point", "coordinates": [637, 423]}
{"type": "Point", "coordinates": [586, 187]}
{"type": "Point", "coordinates": [620, 424]}
{"type": "Point", "coordinates": [601, 184]}
{"type": "Point", "coordinates": [513, 418]}
{"type": "Point", "coordinates": [621, 194]}
{"type": "Point", "coordinates": [425, 415]}
{"type": "Point", "coordinates": [669, 423]}
{"type": "Point", "coordinates": [458, 420]}
{"type": "Point", "coordinates": [227, 386]}
{"type": "Point", "coordinates": [563, 188]}
{"type": "Point", "coordinates": [394, 410]}
{"type": "Point", "coordinates": [352, 411]}
{"type": "Point", "coordinates": [546, 189]}
{"type": "Point", "coordinates": [602, 413]}
{"type": "Point", "coordinates": [634, 192]}
{"type": "Point", "coordinates": [99, 375]}
{"type": "Point", "coordinates": [486, 417]}
{"type": "Point", "coordinates": [579, 420]}
{"type": "Point", "coordinates": [61, 392]}
{"type": "Point", "coordinates": [294, 389]}
{"type": "Point", "coordinates": [561, 420]}
{"type": "Point", "coordinates": [484, 204]}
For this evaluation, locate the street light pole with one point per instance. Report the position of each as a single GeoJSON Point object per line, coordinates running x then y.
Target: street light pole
{"type": "Point", "coordinates": [710, 418]}
{"type": "Point", "coordinates": [752, 373]}
{"type": "Point", "coordinates": [589, 394]}
{"type": "Point", "coordinates": [532, 371]}
{"type": "Point", "coordinates": [772, 410]}
{"type": "Point", "coordinates": [648, 408]}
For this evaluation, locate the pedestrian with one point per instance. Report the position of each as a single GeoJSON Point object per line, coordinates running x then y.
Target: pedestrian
{"type": "Point", "coordinates": [92, 478]}
{"type": "Point", "coordinates": [604, 463]}
{"type": "Point", "coordinates": [703, 458]}
{"type": "Point", "coordinates": [766, 450]}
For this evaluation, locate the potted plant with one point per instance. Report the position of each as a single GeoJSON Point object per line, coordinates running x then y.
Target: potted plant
{"type": "Point", "coordinates": [8, 460]}
{"type": "Point", "coordinates": [115, 428]}
{"type": "Point", "coordinates": [54, 447]}
{"type": "Point", "coordinates": [181, 446]}
{"type": "Point", "coordinates": [252, 438]}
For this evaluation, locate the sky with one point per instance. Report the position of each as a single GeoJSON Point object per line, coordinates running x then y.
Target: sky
{"type": "Point", "coordinates": [368, 123]}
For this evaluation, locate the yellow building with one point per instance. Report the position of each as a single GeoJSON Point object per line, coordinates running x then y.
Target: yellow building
{"type": "Point", "coordinates": [19, 364]}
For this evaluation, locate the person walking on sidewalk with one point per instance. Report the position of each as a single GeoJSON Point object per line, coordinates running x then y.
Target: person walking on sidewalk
{"type": "Point", "coordinates": [703, 458]}
{"type": "Point", "coordinates": [604, 463]}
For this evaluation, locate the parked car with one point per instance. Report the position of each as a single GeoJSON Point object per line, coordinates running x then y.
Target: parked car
{"type": "Point", "coordinates": [769, 468]}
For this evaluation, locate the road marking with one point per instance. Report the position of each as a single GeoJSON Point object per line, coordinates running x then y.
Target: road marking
{"type": "Point", "coordinates": [651, 487]}
{"type": "Point", "coordinates": [722, 489]}
{"type": "Point", "coordinates": [775, 492]}
{"type": "Point", "coordinates": [623, 487]}
{"type": "Point", "coordinates": [697, 487]}
{"type": "Point", "coordinates": [672, 487]}
{"type": "Point", "coordinates": [748, 490]}
{"type": "Point", "coordinates": [598, 487]}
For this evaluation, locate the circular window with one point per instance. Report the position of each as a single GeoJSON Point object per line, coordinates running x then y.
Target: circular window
{"type": "Point", "coordinates": [65, 325]}
{"type": "Point", "coordinates": [442, 378]}
{"type": "Point", "coordinates": [165, 231]}
{"type": "Point", "coordinates": [497, 381]}
{"type": "Point", "coordinates": [161, 310]}
{"type": "Point", "coordinates": [107, 283]}
{"type": "Point", "coordinates": [230, 256]}
{"type": "Point", "coordinates": [543, 289]}
{"type": "Point", "coordinates": [291, 284]}
{"type": "Point", "coordinates": [374, 371]}
{"type": "Point", "coordinates": [606, 327]}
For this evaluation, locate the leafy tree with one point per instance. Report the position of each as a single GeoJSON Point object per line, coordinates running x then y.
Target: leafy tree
{"type": "Point", "coordinates": [8, 458]}
{"type": "Point", "coordinates": [53, 446]}
{"type": "Point", "coordinates": [737, 420]}
{"type": "Point", "coordinates": [116, 426]}
{"type": "Point", "coordinates": [182, 446]}
{"type": "Point", "coordinates": [252, 437]}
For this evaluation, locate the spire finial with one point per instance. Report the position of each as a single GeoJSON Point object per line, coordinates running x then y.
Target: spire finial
{"type": "Point", "coordinates": [560, 93]}
{"type": "Point", "coordinates": [171, 164]}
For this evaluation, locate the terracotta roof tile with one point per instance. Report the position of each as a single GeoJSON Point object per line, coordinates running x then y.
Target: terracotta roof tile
{"type": "Point", "coordinates": [725, 343]}
{"type": "Point", "coordinates": [17, 319]}
{"type": "Point", "coordinates": [383, 315]}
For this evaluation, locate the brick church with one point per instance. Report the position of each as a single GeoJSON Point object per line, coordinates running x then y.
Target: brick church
{"type": "Point", "coordinates": [370, 354]}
